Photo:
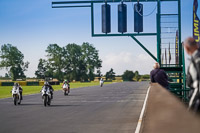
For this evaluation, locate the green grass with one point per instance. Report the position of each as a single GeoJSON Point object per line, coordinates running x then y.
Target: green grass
{"type": "Point", "coordinates": [5, 90]}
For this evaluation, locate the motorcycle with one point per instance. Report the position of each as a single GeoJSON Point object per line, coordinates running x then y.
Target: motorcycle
{"type": "Point", "coordinates": [66, 89]}
{"type": "Point", "coordinates": [46, 95]}
{"type": "Point", "coordinates": [16, 95]}
{"type": "Point", "coordinates": [101, 83]}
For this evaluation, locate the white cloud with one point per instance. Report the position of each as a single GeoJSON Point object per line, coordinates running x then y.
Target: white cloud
{"type": "Point", "coordinates": [127, 61]}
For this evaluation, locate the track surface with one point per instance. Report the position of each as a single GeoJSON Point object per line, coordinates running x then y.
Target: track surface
{"type": "Point", "coordinates": [113, 108]}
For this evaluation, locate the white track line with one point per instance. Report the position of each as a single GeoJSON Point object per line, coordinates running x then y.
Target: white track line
{"type": "Point", "coordinates": [142, 113]}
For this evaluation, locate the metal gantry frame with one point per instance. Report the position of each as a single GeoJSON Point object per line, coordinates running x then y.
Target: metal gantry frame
{"type": "Point", "coordinates": [179, 69]}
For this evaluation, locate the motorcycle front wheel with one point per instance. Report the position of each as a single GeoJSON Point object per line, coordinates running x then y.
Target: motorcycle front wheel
{"type": "Point", "coordinates": [19, 102]}
{"type": "Point", "coordinates": [49, 101]}
{"type": "Point", "coordinates": [15, 100]}
{"type": "Point", "coordinates": [65, 92]}
{"type": "Point", "coordinates": [45, 100]}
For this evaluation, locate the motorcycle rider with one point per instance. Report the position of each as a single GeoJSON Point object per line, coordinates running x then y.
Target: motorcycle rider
{"type": "Point", "coordinates": [20, 89]}
{"type": "Point", "coordinates": [50, 88]}
{"type": "Point", "coordinates": [66, 82]}
{"type": "Point", "coordinates": [101, 82]}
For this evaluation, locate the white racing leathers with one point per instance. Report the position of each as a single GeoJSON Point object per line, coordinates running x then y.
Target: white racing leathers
{"type": "Point", "coordinates": [101, 83]}
{"type": "Point", "coordinates": [46, 95]}
{"type": "Point", "coordinates": [16, 95]}
{"type": "Point", "coordinates": [65, 89]}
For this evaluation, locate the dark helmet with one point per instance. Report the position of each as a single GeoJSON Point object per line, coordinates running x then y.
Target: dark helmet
{"type": "Point", "coordinates": [16, 84]}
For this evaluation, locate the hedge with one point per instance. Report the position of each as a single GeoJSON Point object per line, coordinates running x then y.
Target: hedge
{"type": "Point", "coordinates": [41, 83]}
{"type": "Point", "coordinates": [7, 83]}
{"type": "Point", "coordinates": [32, 84]}
{"type": "Point", "coordinates": [22, 83]}
{"type": "Point", "coordinates": [54, 83]}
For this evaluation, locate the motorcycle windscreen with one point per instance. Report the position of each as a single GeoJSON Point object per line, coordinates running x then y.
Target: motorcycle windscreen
{"type": "Point", "coordinates": [45, 88]}
{"type": "Point", "coordinates": [65, 86]}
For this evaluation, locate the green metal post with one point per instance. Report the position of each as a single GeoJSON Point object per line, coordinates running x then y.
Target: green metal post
{"type": "Point", "coordinates": [181, 52]}
{"type": "Point", "coordinates": [92, 19]}
{"type": "Point", "coordinates": [179, 32]}
{"type": "Point", "coordinates": [71, 6]}
{"type": "Point", "coordinates": [184, 76]}
{"type": "Point", "coordinates": [158, 33]}
{"type": "Point", "coordinates": [102, 1]}
{"type": "Point", "coordinates": [144, 48]}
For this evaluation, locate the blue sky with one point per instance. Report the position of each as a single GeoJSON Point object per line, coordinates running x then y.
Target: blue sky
{"type": "Point", "coordinates": [32, 25]}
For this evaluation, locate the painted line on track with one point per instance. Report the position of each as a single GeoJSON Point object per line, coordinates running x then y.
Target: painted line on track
{"type": "Point", "coordinates": [142, 113]}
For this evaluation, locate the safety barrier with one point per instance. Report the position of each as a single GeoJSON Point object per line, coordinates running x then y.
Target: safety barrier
{"type": "Point", "coordinates": [28, 83]}
{"type": "Point", "coordinates": [7, 83]}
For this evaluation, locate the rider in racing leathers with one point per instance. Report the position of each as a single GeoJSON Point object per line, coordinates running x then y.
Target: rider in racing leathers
{"type": "Point", "coordinates": [50, 88]}
{"type": "Point", "coordinates": [67, 82]}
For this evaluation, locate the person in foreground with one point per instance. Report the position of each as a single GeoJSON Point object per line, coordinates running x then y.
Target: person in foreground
{"type": "Point", "coordinates": [158, 75]}
{"type": "Point", "coordinates": [193, 74]}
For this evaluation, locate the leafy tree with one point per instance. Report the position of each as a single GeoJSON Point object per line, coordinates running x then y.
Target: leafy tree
{"type": "Point", "coordinates": [55, 60]}
{"type": "Point", "coordinates": [72, 62]}
{"type": "Point", "coordinates": [99, 74]}
{"type": "Point", "coordinates": [91, 59]}
{"type": "Point", "coordinates": [110, 74]}
{"type": "Point", "coordinates": [74, 66]}
{"type": "Point", "coordinates": [12, 60]}
{"type": "Point", "coordinates": [137, 76]}
{"type": "Point", "coordinates": [146, 76]}
{"type": "Point", "coordinates": [128, 75]}
{"type": "Point", "coordinates": [7, 75]}
{"type": "Point", "coordinates": [42, 69]}
{"type": "Point", "coordinates": [83, 71]}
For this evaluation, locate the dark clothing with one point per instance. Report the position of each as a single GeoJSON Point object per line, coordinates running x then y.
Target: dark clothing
{"type": "Point", "coordinates": [20, 91]}
{"type": "Point", "coordinates": [159, 76]}
{"type": "Point", "coordinates": [20, 88]}
{"type": "Point", "coordinates": [193, 81]}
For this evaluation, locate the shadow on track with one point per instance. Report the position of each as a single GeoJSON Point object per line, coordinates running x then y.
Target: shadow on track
{"type": "Point", "coordinates": [63, 105]}
{"type": "Point", "coordinates": [53, 105]}
{"type": "Point", "coordinates": [30, 104]}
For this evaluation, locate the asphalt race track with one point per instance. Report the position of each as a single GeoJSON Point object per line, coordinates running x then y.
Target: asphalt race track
{"type": "Point", "coordinates": [113, 108]}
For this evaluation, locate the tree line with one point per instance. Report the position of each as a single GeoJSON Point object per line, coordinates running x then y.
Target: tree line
{"type": "Point", "coordinates": [12, 61]}
{"type": "Point", "coordinates": [72, 62]}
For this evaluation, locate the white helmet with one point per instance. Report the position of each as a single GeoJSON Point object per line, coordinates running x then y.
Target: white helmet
{"type": "Point", "coordinates": [46, 83]}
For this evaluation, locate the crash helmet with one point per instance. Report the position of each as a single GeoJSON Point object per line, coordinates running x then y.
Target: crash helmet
{"type": "Point", "coordinates": [16, 84]}
{"type": "Point", "coordinates": [46, 83]}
